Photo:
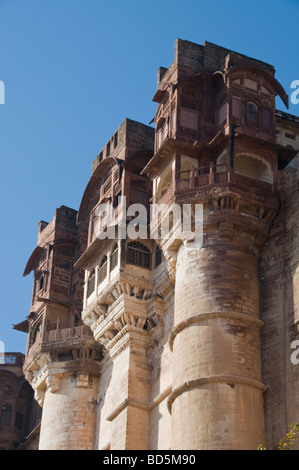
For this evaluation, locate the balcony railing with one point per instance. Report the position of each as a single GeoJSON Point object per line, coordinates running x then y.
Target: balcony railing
{"type": "Point", "coordinates": [59, 334]}
{"type": "Point", "coordinates": [188, 180]}
{"type": "Point", "coordinates": [54, 334]}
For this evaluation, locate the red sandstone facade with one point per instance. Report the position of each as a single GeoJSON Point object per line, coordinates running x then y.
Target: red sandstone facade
{"type": "Point", "coordinates": [19, 412]}
{"type": "Point", "coordinates": [159, 344]}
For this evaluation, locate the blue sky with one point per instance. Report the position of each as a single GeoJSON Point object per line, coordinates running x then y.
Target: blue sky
{"type": "Point", "coordinates": [73, 70]}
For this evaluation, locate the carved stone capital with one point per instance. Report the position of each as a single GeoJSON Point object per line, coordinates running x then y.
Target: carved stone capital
{"type": "Point", "coordinates": [53, 382]}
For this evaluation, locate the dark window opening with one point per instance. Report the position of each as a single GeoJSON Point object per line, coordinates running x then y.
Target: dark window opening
{"type": "Point", "coordinates": [251, 112]}
{"type": "Point", "coordinates": [76, 320]}
{"type": "Point", "coordinates": [116, 200]}
{"type": "Point", "coordinates": [115, 139]}
{"type": "Point", "coordinates": [19, 420]}
{"type": "Point", "coordinates": [158, 257]}
{"type": "Point", "coordinates": [290, 136]}
{"type": "Point", "coordinates": [41, 283]}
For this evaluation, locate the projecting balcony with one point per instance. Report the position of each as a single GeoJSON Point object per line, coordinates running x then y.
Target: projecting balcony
{"type": "Point", "coordinates": [214, 175]}
{"type": "Point", "coordinates": [56, 338]}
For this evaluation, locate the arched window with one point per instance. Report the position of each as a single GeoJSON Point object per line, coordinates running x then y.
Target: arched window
{"type": "Point", "coordinates": [114, 257]}
{"type": "Point", "coordinates": [91, 283]}
{"type": "Point", "coordinates": [251, 112]}
{"type": "Point", "coordinates": [139, 255]}
{"type": "Point", "coordinates": [36, 331]}
{"type": "Point", "coordinates": [253, 167]}
{"type": "Point", "coordinates": [164, 185]}
{"type": "Point", "coordinates": [6, 414]}
{"type": "Point", "coordinates": [103, 269]}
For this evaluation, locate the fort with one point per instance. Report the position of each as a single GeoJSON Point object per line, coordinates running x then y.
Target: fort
{"type": "Point", "coordinates": [156, 344]}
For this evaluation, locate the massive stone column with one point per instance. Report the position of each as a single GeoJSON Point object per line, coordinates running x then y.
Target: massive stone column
{"type": "Point", "coordinates": [69, 414]}
{"type": "Point", "coordinates": [65, 381]}
{"type": "Point", "coordinates": [217, 389]}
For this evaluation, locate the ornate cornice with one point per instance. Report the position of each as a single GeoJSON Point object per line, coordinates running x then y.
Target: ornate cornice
{"type": "Point", "coordinates": [128, 304]}
{"type": "Point", "coordinates": [45, 371]}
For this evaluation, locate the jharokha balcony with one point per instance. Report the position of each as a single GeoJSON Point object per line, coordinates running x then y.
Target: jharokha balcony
{"type": "Point", "coordinates": [186, 181]}
{"type": "Point", "coordinates": [54, 338]}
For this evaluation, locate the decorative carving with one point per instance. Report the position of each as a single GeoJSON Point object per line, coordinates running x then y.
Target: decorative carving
{"type": "Point", "coordinates": [53, 382]}
{"type": "Point", "coordinates": [229, 201]}
{"type": "Point", "coordinates": [135, 307]}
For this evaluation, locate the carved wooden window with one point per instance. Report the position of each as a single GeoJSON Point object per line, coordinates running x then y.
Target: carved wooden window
{"type": "Point", "coordinates": [114, 257]}
{"type": "Point", "coordinates": [222, 114]}
{"type": "Point", "coordinates": [103, 269]}
{"type": "Point", "coordinates": [251, 113]}
{"type": "Point", "coordinates": [139, 255]}
{"type": "Point", "coordinates": [266, 115]}
{"type": "Point", "coordinates": [35, 334]}
{"type": "Point", "coordinates": [188, 118]}
{"type": "Point", "coordinates": [236, 107]}
{"type": "Point", "coordinates": [91, 283]}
